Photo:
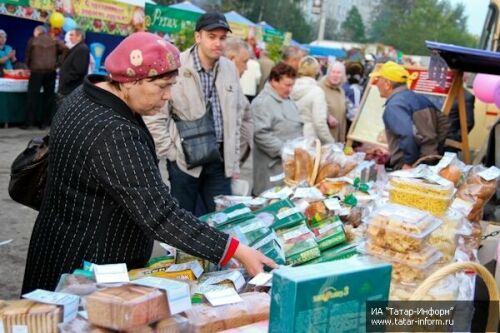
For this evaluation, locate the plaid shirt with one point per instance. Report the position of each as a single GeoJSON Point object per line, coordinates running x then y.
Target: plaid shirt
{"type": "Point", "coordinates": [207, 82]}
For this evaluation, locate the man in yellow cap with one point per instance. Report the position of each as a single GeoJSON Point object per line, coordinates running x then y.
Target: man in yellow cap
{"type": "Point", "coordinates": [413, 126]}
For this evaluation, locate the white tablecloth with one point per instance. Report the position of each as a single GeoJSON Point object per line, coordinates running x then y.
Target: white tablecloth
{"type": "Point", "coordinates": [11, 85]}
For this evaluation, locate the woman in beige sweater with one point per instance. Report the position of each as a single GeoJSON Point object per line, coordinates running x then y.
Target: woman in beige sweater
{"type": "Point", "coordinates": [335, 100]}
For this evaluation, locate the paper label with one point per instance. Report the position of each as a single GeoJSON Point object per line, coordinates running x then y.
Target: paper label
{"type": "Point", "coordinates": [332, 204]}
{"type": "Point", "coordinates": [194, 266]}
{"type": "Point", "coordinates": [261, 279]}
{"type": "Point", "coordinates": [111, 273]}
{"type": "Point", "coordinates": [223, 296]}
{"type": "Point", "coordinates": [83, 314]}
{"type": "Point", "coordinates": [288, 212]}
{"type": "Point", "coordinates": [69, 302]}
{"type": "Point", "coordinates": [253, 226]}
{"type": "Point", "coordinates": [490, 174]}
{"type": "Point", "coordinates": [2, 330]}
{"type": "Point", "coordinates": [178, 294]}
{"type": "Point", "coordinates": [19, 329]}
{"type": "Point", "coordinates": [308, 192]}
{"type": "Point", "coordinates": [435, 178]}
{"type": "Point", "coordinates": [285, 192]}
{"type": "Point", "coordinates": [265, 240]}
{"type": "Point", "coordinates": [341, 180]}
{"type": "Point", "coordinates": [238, 212]}
{"type": "Point", "coordinates": [277, 178]}
{"type": "Point", "coordinates": [295, 233]}
{"type": "Point", "coordinates": [234, 276]}
{"type": "Point", "coordinates": [462, 206]}
{"type": "Point", "coordinates": [344, 211]}
{"type": "Point", "coordinates": [207, 288]}
{"type": "Point", "coordinates": [256, 202]}
{"type": "Point", "coordinates": [445, 161]}
{"type": "Point", "coordinates": [328, 227]}
{"type": "Point", "coordinates": [418, 172]}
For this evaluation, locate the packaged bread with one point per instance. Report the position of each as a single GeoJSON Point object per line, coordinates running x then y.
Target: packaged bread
{"type": "Point", "coordinates": [422, 186]}
{"type": "Point", "coordinates": [445, 238]}
{"type": "Point", "coordinates": [76, 285]}
{"type": "Point", "coordinates": [174, 324]}
{"type": "Point", "coordinates": [400, 228]}
{"type": "Point", "coordinates": [126, 307]}
{"type": "Point", "coordinates": [436, 205]}
{"type": "Point", "coordinates": [205, 318]}
{"type": "Point", "coordinates": [298, 158]}
{"type": "Point", "coordinates": [32, 316]}
{"type": "Point", "coordinates": [478, 188]}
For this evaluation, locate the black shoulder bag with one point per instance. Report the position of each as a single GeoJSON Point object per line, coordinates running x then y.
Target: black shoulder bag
{"type": "Point", "coordinates": [28, 174]}
{"type": "Point", "coordinates": [198, 138]}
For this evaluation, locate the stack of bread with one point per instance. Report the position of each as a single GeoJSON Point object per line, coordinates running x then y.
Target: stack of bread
{"type": "Point", "coordinates": [30, 316]}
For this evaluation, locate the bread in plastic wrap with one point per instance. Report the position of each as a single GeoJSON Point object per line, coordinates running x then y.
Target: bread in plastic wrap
{"type": "Point", "coordinates": [126, 307]}
{"type": "Point", "coordinates": [37, 317]}
{"type": "Point", "coordinates": [174, 324]}
{"type": "Point", "coordinates": [205, 318]}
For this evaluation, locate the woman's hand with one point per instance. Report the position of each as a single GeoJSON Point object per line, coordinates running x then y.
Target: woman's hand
{"type": "Point", "coordinates": [253, 260]}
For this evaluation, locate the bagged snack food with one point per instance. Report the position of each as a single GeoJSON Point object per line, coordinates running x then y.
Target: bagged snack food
{"type": "Point", "coordinates": [478, 188]}
{"type": "Point", "coordinates": [76, 285]}
{"type": "Point", "coordinates": [30, 316]}
{"type": "Point", "coordinates": [205, 318]}
{"type": "Point", "coordinates": [445, 238]}
{"type": "Point", "coordinates": [126, 307]}
{"type": "Point", "coordinates": [174, 324]}
{"type": "Point", "coordinates": [400, 228]}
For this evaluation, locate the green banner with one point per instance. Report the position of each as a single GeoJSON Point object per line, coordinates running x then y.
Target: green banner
{"type": "Point", "coordinates": [168, 20]}
{"type": "Point", "coordinates": [25, 3]}
{"type": "Point", "coordinates": [269, 34]}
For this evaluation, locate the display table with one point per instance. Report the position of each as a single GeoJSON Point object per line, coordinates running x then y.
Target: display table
{"type": "Point", "coordinates": [12, 100]}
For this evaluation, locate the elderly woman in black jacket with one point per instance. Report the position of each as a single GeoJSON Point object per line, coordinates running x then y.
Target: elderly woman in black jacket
{"type": "Point", "coordinates": [105, 201]}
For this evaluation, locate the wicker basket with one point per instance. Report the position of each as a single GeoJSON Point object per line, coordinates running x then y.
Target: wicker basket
{"type": "Point", "coordinates": [480, 270]}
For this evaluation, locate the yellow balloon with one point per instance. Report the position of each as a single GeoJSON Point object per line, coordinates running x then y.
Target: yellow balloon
{"type": "Point", "coordinates": [56, 20]}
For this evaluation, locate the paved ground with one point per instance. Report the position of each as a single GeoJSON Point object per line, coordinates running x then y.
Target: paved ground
{"type": "Point", "coordinates": [16, 221]}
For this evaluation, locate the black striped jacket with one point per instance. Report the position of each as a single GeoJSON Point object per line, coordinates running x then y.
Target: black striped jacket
{"type": "Point", "coordinates": [105, 201]}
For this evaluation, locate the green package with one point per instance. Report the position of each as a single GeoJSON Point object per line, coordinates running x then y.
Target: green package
{"type": "Point", "coordinates": [327, 297]}
{"type": "Point", "coordinates": [228, 215]}
{"type": "Point", "coordinates": [272, 248]}
{"type": "Point", "coordinates": [300, 245]}
{"type": "Point", "coordinates": [247, 231]}
{"type": "Point", "coordinates": [329, 232]}
{"type": "Point", "coordinates": [285, 214]}
{"type": "Point", "coordinates": [339, 252]}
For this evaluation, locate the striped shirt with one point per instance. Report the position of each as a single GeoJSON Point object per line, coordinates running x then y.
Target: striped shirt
{"type": "Point", "coordinates": [207, 83]}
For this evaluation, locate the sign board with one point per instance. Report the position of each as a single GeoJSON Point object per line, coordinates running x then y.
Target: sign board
{"type": "Point", "coordinates": [369, 126]}
{"type": "Point", "coordinates": [167, 19]}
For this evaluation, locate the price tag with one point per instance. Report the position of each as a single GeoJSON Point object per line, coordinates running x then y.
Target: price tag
{"type": "Point", "coordinates": [194, 266]}
{"type": "Point", "coordinates": [111, 273]}
{"type": "Point", "coordinates": [296, 233]}
{"type": "Point", "coordinates": [490, 174]}
{"type": "Point", "coordinates": [277, 178]}
{"type": "Point", "coordinates": [238, 212]}
{"type": "Point", "coordinates": [2, 330]}
{"type": "Point", "coordinates": [308, 192]}
{"type": "Point", "coordinates": [261, 279]}
{"type": "Point", "coordinates": [253, 226]}
{"type": "Point", "coordinates": [288, 212]}
{"type": "Point", "coordinates": [19, 329]}
{"type": "Point", "coordinates": [332, 204]}
{"type": "Point", "coordinates": [285, 192]}
{"type": "Point", "coordinates": [69, 302]}
{"type": "Point", "coordinates": [178, 295]}
{"type": "Point", "coordinates": [223, 296]}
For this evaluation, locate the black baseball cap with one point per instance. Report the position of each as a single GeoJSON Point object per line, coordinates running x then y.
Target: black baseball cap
{"type": "Point", "coordinates": [212, 21]}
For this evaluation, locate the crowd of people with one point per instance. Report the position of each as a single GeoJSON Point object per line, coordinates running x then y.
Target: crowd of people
{"type": "Point", "coordinates": [45, 54]}
{"type": "Point", "coordinates": [217, 107]}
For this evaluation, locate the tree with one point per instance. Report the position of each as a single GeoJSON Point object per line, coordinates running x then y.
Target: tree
{"type": "Point", "coordinates": [353, 29]}
{"type": "Point", "coordinates": [407, 24]}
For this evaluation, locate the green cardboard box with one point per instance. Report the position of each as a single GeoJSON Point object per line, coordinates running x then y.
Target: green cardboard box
{"type": "Point", "coordinates": [339, 252]}
{"type": "Point", "coordinates": [327, 297]}
{"type": "Point", "coordinates": [271, 247]}
{"type": "Point", "coordinates": [299, 244]}
{"type": "Point", "coordinates": [248, 231]}
{"type": "Point", "coordinates": [284, 214]}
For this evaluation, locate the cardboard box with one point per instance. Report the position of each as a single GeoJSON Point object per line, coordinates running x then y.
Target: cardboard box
{"type": "Point", "coordinates": [228, 215]}
{"type": "Point", "coordinates": [284, 213]}
{"type": "Point", "coordinates": [327, 297]}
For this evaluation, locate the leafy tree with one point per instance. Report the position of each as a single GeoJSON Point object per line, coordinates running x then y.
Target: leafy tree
{"type": "Point", "coordinates": [407, 24]}
{"type": "Point", "coordinates": [353, 29]}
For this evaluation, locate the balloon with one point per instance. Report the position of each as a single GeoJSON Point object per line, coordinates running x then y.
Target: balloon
{"type": "Point", "coordinates": [497, 95]}
{"type": "Point", "coordinates": [56, 20]}
{"type": "Point", "coordinates": [484, 87]}
{"type": "Point", "coordinates": [69, 24]}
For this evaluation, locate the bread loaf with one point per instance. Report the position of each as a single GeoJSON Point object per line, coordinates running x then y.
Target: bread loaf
{"type": "Point", "coordinates": [205, 318]}
{"type": "Point", "coordinates": [304, 164]}
{"type": "Point", "coordinates": [330, 170]}
{"type": "Point", "coordinates": [37, 317]}
{"type": "Point", "coordinates": [174, 324]}
{"type": "Point", "coordinates": [126, 307]}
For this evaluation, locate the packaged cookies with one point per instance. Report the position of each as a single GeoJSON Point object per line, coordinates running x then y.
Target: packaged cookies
{"type": "Point", "coordinates": [400, 228]}
{"type": "Point", "coordinates": [299, 244]}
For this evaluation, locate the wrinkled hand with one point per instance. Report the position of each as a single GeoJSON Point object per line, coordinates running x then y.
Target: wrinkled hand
{"type": "Point", "coordinates": [332, 122]}
{"type": "Point", "coordinates": [253, 260]}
